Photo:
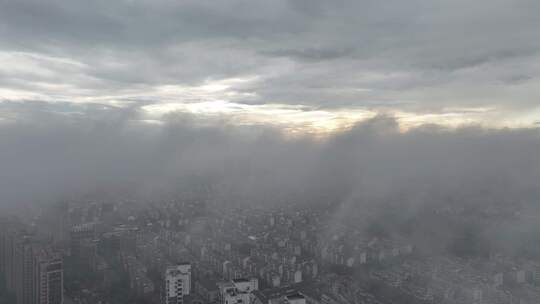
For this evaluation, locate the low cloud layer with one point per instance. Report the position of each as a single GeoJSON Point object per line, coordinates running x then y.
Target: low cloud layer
{"type": "Point", "coordinates": [373, 172]}
{"type": "Point", "coordinates": [50, 157]}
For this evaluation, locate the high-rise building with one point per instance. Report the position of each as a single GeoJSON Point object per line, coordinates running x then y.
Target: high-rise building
{"type": "Point", "coordinates": [177, 283]}
{"type": "Point", "coordinates": [49, 277]}
{"type": "Point", "coordinates": [32, 271]}
{"type": "Point", "coordinates": [78, 235]}
{"type": "Point", "coordinates": [9, 246]}
{"type": "Point", "coordinates": [87, 253]}
{"type": "Point", "coordinates": [3, 244]}
{"type": "Point", "coordinates": [24, 267]}
{"type": "Point", "coordinates": [8, 237]}
{"type": "Point", "coordinates": [60, 216]}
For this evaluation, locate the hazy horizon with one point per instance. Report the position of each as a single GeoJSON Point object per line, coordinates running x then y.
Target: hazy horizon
{"type": "Point", "coordinates": [370, 151]}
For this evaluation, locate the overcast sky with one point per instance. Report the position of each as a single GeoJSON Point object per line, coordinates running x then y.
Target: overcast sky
{"type": "Point", "coordinates": [306, 65]}
{"type": "Point", "coordinates": [418, 102]}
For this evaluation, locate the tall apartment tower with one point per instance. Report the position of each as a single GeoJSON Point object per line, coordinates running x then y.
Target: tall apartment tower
{"type": "Point", "coordinates": [78, 234]}
{"type": "Point", "coordinates": [177, 284]}
{"type": "Point", "coordinates": [60, 216]}
{"type": "Point", "coordinates": [9, 238]}
{"type": "Point", "coordinates": [3, 249]}
{"type": "Point", "coordinates": [32, 271]}
{"type": "Point", "coordinates": [49, 277]}
{"type": "Point", "coordinates": [24, 266]}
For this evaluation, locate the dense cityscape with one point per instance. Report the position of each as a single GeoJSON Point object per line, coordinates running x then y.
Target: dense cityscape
{"type": "Point", "coordinates": [269, 152]}
{"type": "Point", "coordinates": [185, 251]}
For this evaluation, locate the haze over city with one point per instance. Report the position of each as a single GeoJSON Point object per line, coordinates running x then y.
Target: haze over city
{"type": "Point", "coordinates": [285, 151]}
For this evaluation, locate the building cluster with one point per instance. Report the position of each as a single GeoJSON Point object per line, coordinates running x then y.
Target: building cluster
{"type": "Point", "coordinates": [181, 253]}
{"type": "Point", "coordinates": [32, 270]}
{"type": "Point", "coordinates": [237, 291]}
{"type": "Point", "coordinates": [357, 250]}
{"type": "Point", "coordinates": [452, 280]}
{"type": "Point", "coordinates": [137, 274]}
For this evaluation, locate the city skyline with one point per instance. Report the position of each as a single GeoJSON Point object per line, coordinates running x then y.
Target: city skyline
{"type": "Point", "coordinates": [269, 152]}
